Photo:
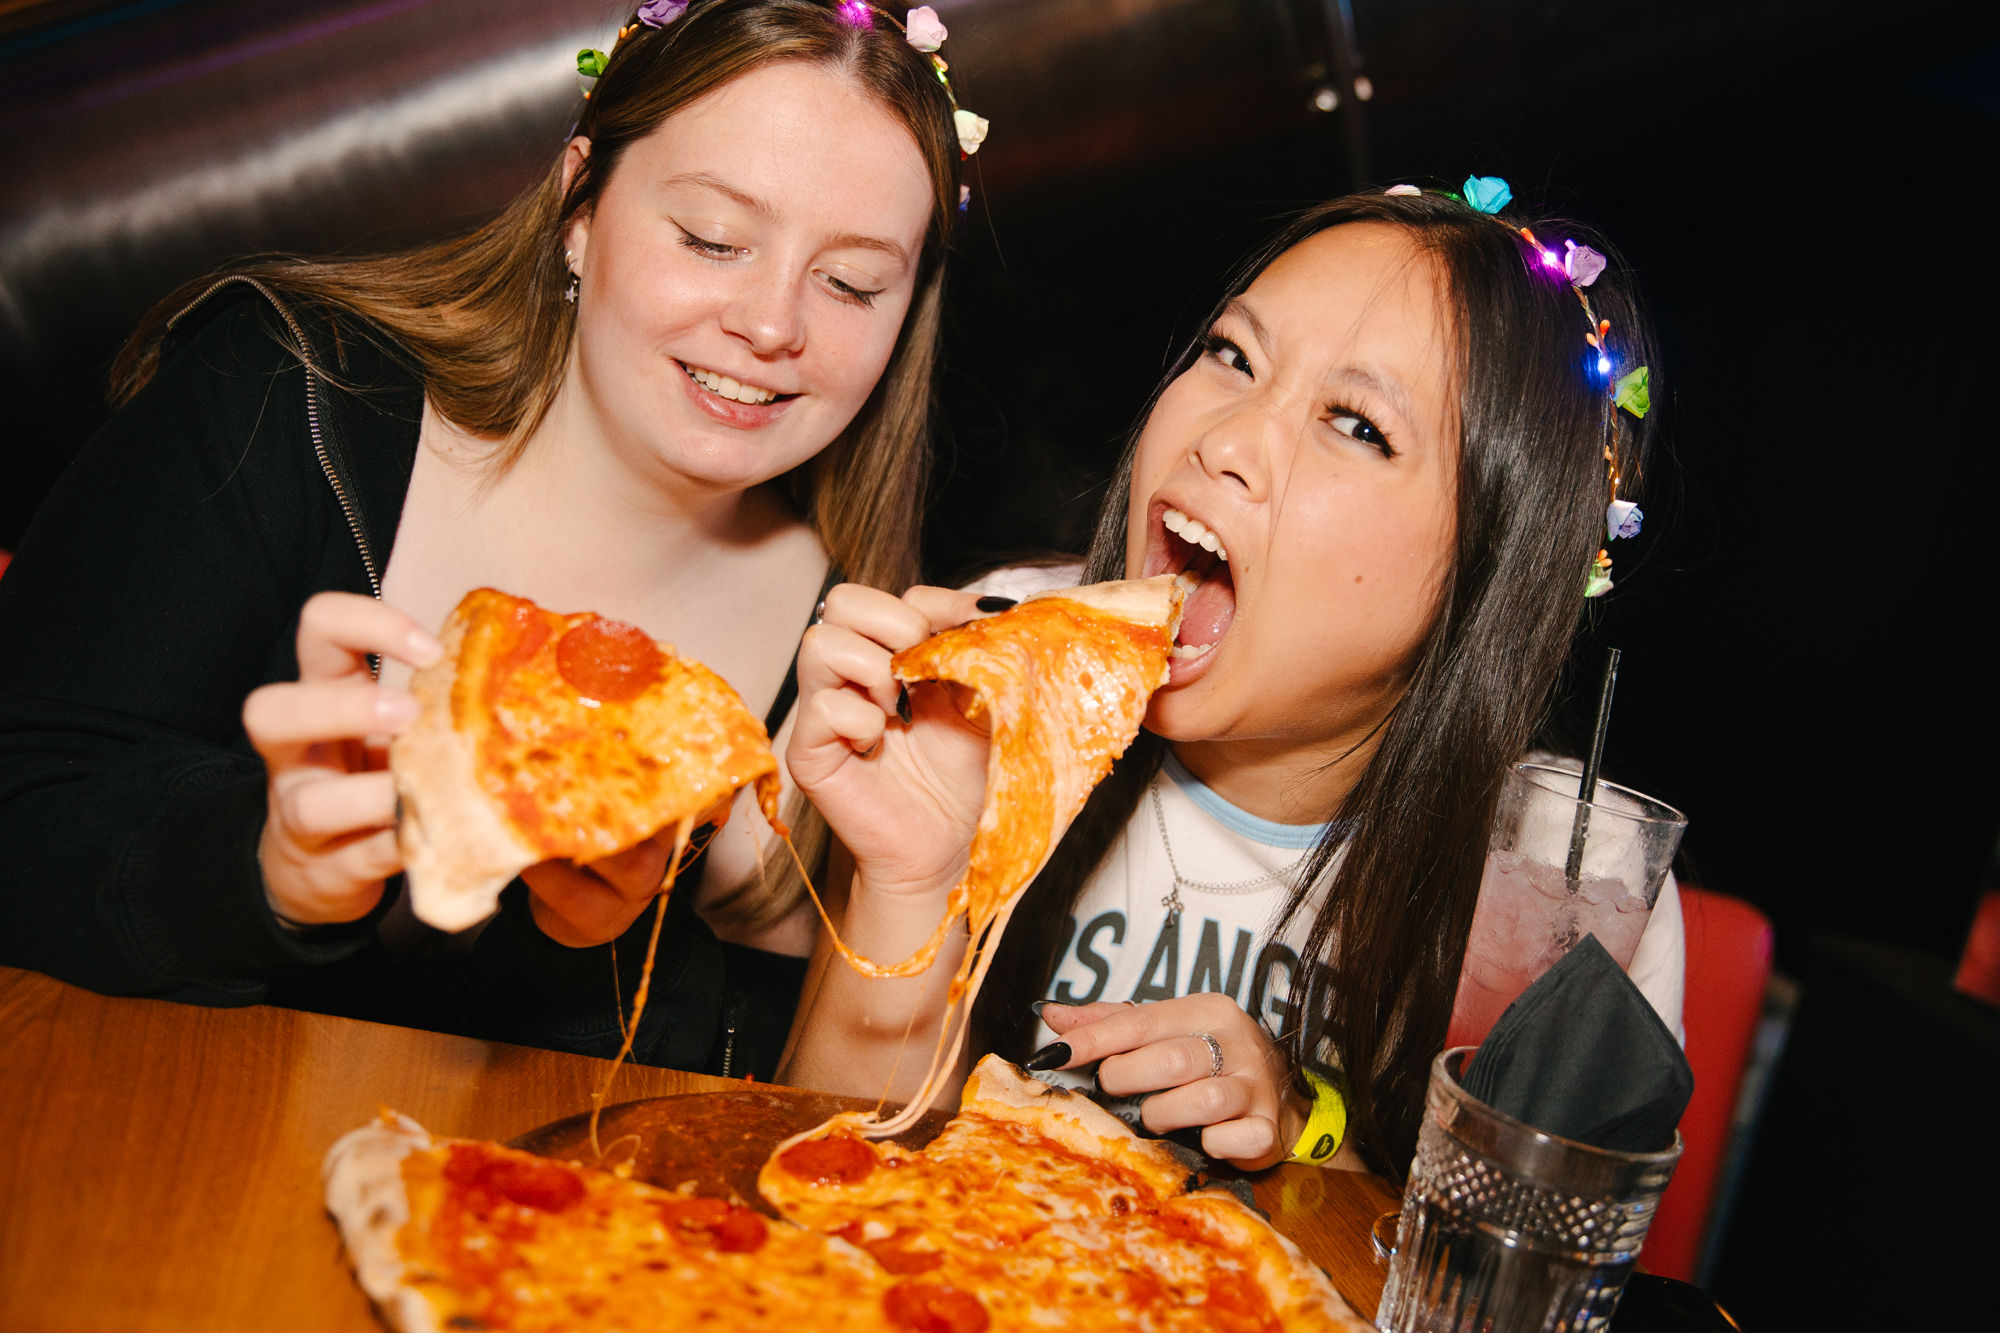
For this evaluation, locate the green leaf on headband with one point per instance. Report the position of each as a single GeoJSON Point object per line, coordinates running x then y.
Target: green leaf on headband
{"type": "Point", "coordinates": [1634, 393]}
{"type": "Point", "coordinates": [591, 63]}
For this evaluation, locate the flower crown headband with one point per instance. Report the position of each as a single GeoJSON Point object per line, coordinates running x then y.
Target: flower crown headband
{"type": "Point", "coordinates": [1582, 266]}
{"type": "Point", "coordinates": [921, 28]}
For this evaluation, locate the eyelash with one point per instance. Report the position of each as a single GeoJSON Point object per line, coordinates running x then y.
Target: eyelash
{"type": "Point", "coordinates": [1215, 345]}
{"type": "Point", "coordinates": [1335, 412]}
{"type": "Point", "coordinates": [716, 250]}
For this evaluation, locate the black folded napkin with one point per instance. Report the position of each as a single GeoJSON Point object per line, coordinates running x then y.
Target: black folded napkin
{"type": "Point", "coordinates": [1581, 1054]}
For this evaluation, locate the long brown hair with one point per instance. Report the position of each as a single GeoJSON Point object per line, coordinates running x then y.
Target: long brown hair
{"type": "Point", "coordinates": [1388, 936]}
{"type": "Point", "coordinates": [483, 319]}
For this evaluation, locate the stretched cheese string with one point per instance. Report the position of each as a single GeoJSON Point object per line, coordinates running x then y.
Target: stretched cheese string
{"type": "Point", "coordinates": [631, 1028]}
{"type": "Point", "coordinates": [965, 988]}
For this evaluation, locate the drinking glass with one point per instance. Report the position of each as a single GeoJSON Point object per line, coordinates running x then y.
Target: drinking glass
{"type": "Point", "coordinates": [1506, 1229]}
{"type": "Point", "coordinates": [1534, 905]}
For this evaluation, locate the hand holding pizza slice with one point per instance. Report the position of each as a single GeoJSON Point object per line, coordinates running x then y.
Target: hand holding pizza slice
{"type": "Point", "coordinates": [1062, 682]}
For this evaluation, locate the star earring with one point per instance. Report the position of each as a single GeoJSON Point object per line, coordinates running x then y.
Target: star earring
{"type": "Point", "coordinates": [569, 260]}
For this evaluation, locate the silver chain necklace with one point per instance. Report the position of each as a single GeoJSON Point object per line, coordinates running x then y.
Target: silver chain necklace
{"type": "Point", "coordinates": [1172, 902]}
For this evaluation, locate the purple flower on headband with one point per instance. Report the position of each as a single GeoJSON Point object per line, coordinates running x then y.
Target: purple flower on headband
{"type": "Point", "coordinates": [1622, 519]}
{"type": "Point", "coordinates": [923, 28]}
{"type": "Point", "coordinates": [1487, 194]}
{"type": "Point", "coordinates": [659, 13]}
{"type": "Point", "coordinates": [1582, 263]}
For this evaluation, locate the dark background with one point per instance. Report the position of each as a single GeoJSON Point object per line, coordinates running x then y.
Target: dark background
{"type": "Point", "coordinates": [1804, 186]}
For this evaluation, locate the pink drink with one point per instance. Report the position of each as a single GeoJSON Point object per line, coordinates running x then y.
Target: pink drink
{"type": "Point", "coordinates": [1527, 919]}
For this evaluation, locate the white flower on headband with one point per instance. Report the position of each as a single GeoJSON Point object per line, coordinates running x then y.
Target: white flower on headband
{"type": "Point", "coordinates": [1622, 519]}
{"type": "Point", "coordinates": [1582, 264]}
{"type": "Point", "coordinates": [971, 131]}
{"type": "Point", "coordinates": [1402, 189]}
{"type": "Point", "coordinates": [923, 28]}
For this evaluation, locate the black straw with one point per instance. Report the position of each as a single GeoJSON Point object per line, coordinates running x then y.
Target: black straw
{"type": "Point", "coordinates": [1586, 791]}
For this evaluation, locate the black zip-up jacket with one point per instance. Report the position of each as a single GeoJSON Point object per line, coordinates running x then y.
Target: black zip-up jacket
{"type": "Point", "coordinates": [160, 584]}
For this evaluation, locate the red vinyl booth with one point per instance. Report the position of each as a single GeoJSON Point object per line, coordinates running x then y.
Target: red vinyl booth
{"type": "Point", "coordinates": [1728, 965]}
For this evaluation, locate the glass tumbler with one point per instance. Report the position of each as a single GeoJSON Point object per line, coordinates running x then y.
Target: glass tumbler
{"type": "Point", "coordinates": [1506, 1229]}
{"type": "Point", "coordinates": [1534, 905]}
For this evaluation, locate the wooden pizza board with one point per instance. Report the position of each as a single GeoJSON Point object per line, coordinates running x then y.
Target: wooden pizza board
{"type": "Point", "coordinates": [721, 1140]}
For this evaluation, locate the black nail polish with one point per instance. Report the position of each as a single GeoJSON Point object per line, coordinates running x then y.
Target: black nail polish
{"type": "Point", "coordinates": [1052, 1056]}
{"type": "Point", "coordinates": [1037, 1007]}
{"type": "Point", "coordinates": [903, 704]}
{"type": "Point", "coordinates": [995, 603]}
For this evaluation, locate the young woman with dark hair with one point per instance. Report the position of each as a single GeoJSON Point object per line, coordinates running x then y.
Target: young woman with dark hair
{"type": "Point", "coordinates": [677, 382]}
{"type": "Point", "coordinates": [1386, 461]}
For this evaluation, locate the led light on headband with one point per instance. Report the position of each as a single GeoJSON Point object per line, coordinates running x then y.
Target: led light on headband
{"type": "Point", "coordinates": [1580, 266]}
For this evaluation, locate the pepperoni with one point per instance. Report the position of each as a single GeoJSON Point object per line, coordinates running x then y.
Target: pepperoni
{"type": "Point", "coordinates": [609, 661]}
{"type": "Point", "coordinates": [726, 1227]}
{"type": "Point", "coordinates": [833, 1161]}
{"type": "Point", "coordinates": [532, 1183]}
{"type": "Point", "coordinates": [934, 1307]}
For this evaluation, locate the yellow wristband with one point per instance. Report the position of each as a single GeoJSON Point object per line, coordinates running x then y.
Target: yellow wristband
{"type": "Point", "coordinates": [1325, 1128]}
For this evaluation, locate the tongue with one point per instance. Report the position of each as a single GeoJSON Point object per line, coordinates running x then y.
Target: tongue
{"type": "Point", "coordinates": [1206, 614]}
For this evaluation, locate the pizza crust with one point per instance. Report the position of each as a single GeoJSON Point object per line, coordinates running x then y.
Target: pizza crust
{"type": "Point", "coordinates": [458, 853]}
{"type": "Point", "coordinates": [1001, 1091]}
{"type": "Point", "coordinates": [1141, 601]}
{"type": "Point", "coordinates": [363, 1177]}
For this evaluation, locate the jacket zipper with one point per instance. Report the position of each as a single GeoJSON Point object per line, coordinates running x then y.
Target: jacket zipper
{"type": "Point", "coordinates": [333, 477]}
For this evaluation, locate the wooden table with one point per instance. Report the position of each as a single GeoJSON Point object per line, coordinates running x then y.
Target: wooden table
{"type": "Point", "coordinates": [159, 1163]}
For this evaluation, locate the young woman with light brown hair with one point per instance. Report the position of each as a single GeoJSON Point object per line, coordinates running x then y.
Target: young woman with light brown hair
{"type": "Point", "coordinates": [681, 382]}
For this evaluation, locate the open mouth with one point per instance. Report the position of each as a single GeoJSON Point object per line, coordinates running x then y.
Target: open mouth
{"type": "Point", "coordinates": [725, 386]}
{"type": "Point", "coordinates": [1188, 548]}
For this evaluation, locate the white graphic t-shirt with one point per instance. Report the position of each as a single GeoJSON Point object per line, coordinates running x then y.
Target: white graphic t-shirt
{"type": "Point", "coordinates": [1124, 941]}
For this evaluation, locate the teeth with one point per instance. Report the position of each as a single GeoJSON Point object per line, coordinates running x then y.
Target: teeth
{"type": "Point", "coordinates": [1193, 530]}
{"type": "Point", "coordinates": [1187, 652]}
{"type": "Point", "coordinates": [1186, 582]}
{"type": "Point", "coordinates": [722, 386]}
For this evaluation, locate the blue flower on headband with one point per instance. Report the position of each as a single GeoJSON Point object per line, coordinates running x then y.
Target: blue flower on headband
{"type": "Point", "coordinates": [1488, 194]}
{"type": "Point", "coordinates": [659, 13]}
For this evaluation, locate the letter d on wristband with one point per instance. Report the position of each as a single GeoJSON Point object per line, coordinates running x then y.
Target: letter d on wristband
{"type": "Point", "coordinates": [1325, 1128]}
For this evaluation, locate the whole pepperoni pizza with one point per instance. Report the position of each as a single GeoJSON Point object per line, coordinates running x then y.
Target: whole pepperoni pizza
{"type": "Point", "coordinates": [1033, 1209]}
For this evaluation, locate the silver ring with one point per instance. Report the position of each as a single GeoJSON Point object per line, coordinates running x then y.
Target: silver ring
{"type": "Point", "coordinates": [1214, 1053]}
{"type": "Point", "coordinates": [819, 612]}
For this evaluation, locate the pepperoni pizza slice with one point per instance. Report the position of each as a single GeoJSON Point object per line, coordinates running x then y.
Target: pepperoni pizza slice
{"type": "Point", "coordinates": [1063, 680]}
{"type": "Point", "coordinates": [464, 1235]}
{"type": "Point", "coordinates": [547, 736]}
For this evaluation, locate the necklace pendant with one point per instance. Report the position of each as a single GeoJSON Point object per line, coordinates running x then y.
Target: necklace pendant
{"type": "Point", "coordinates": [1172, 902]}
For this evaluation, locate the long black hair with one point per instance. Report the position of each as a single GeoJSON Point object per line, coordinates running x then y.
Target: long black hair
{"type": "Point", "coordinates": [1389, 932]}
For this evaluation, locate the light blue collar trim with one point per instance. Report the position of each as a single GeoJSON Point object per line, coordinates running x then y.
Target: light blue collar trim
{"type": "Point", "coordinates": [1294, 837]}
